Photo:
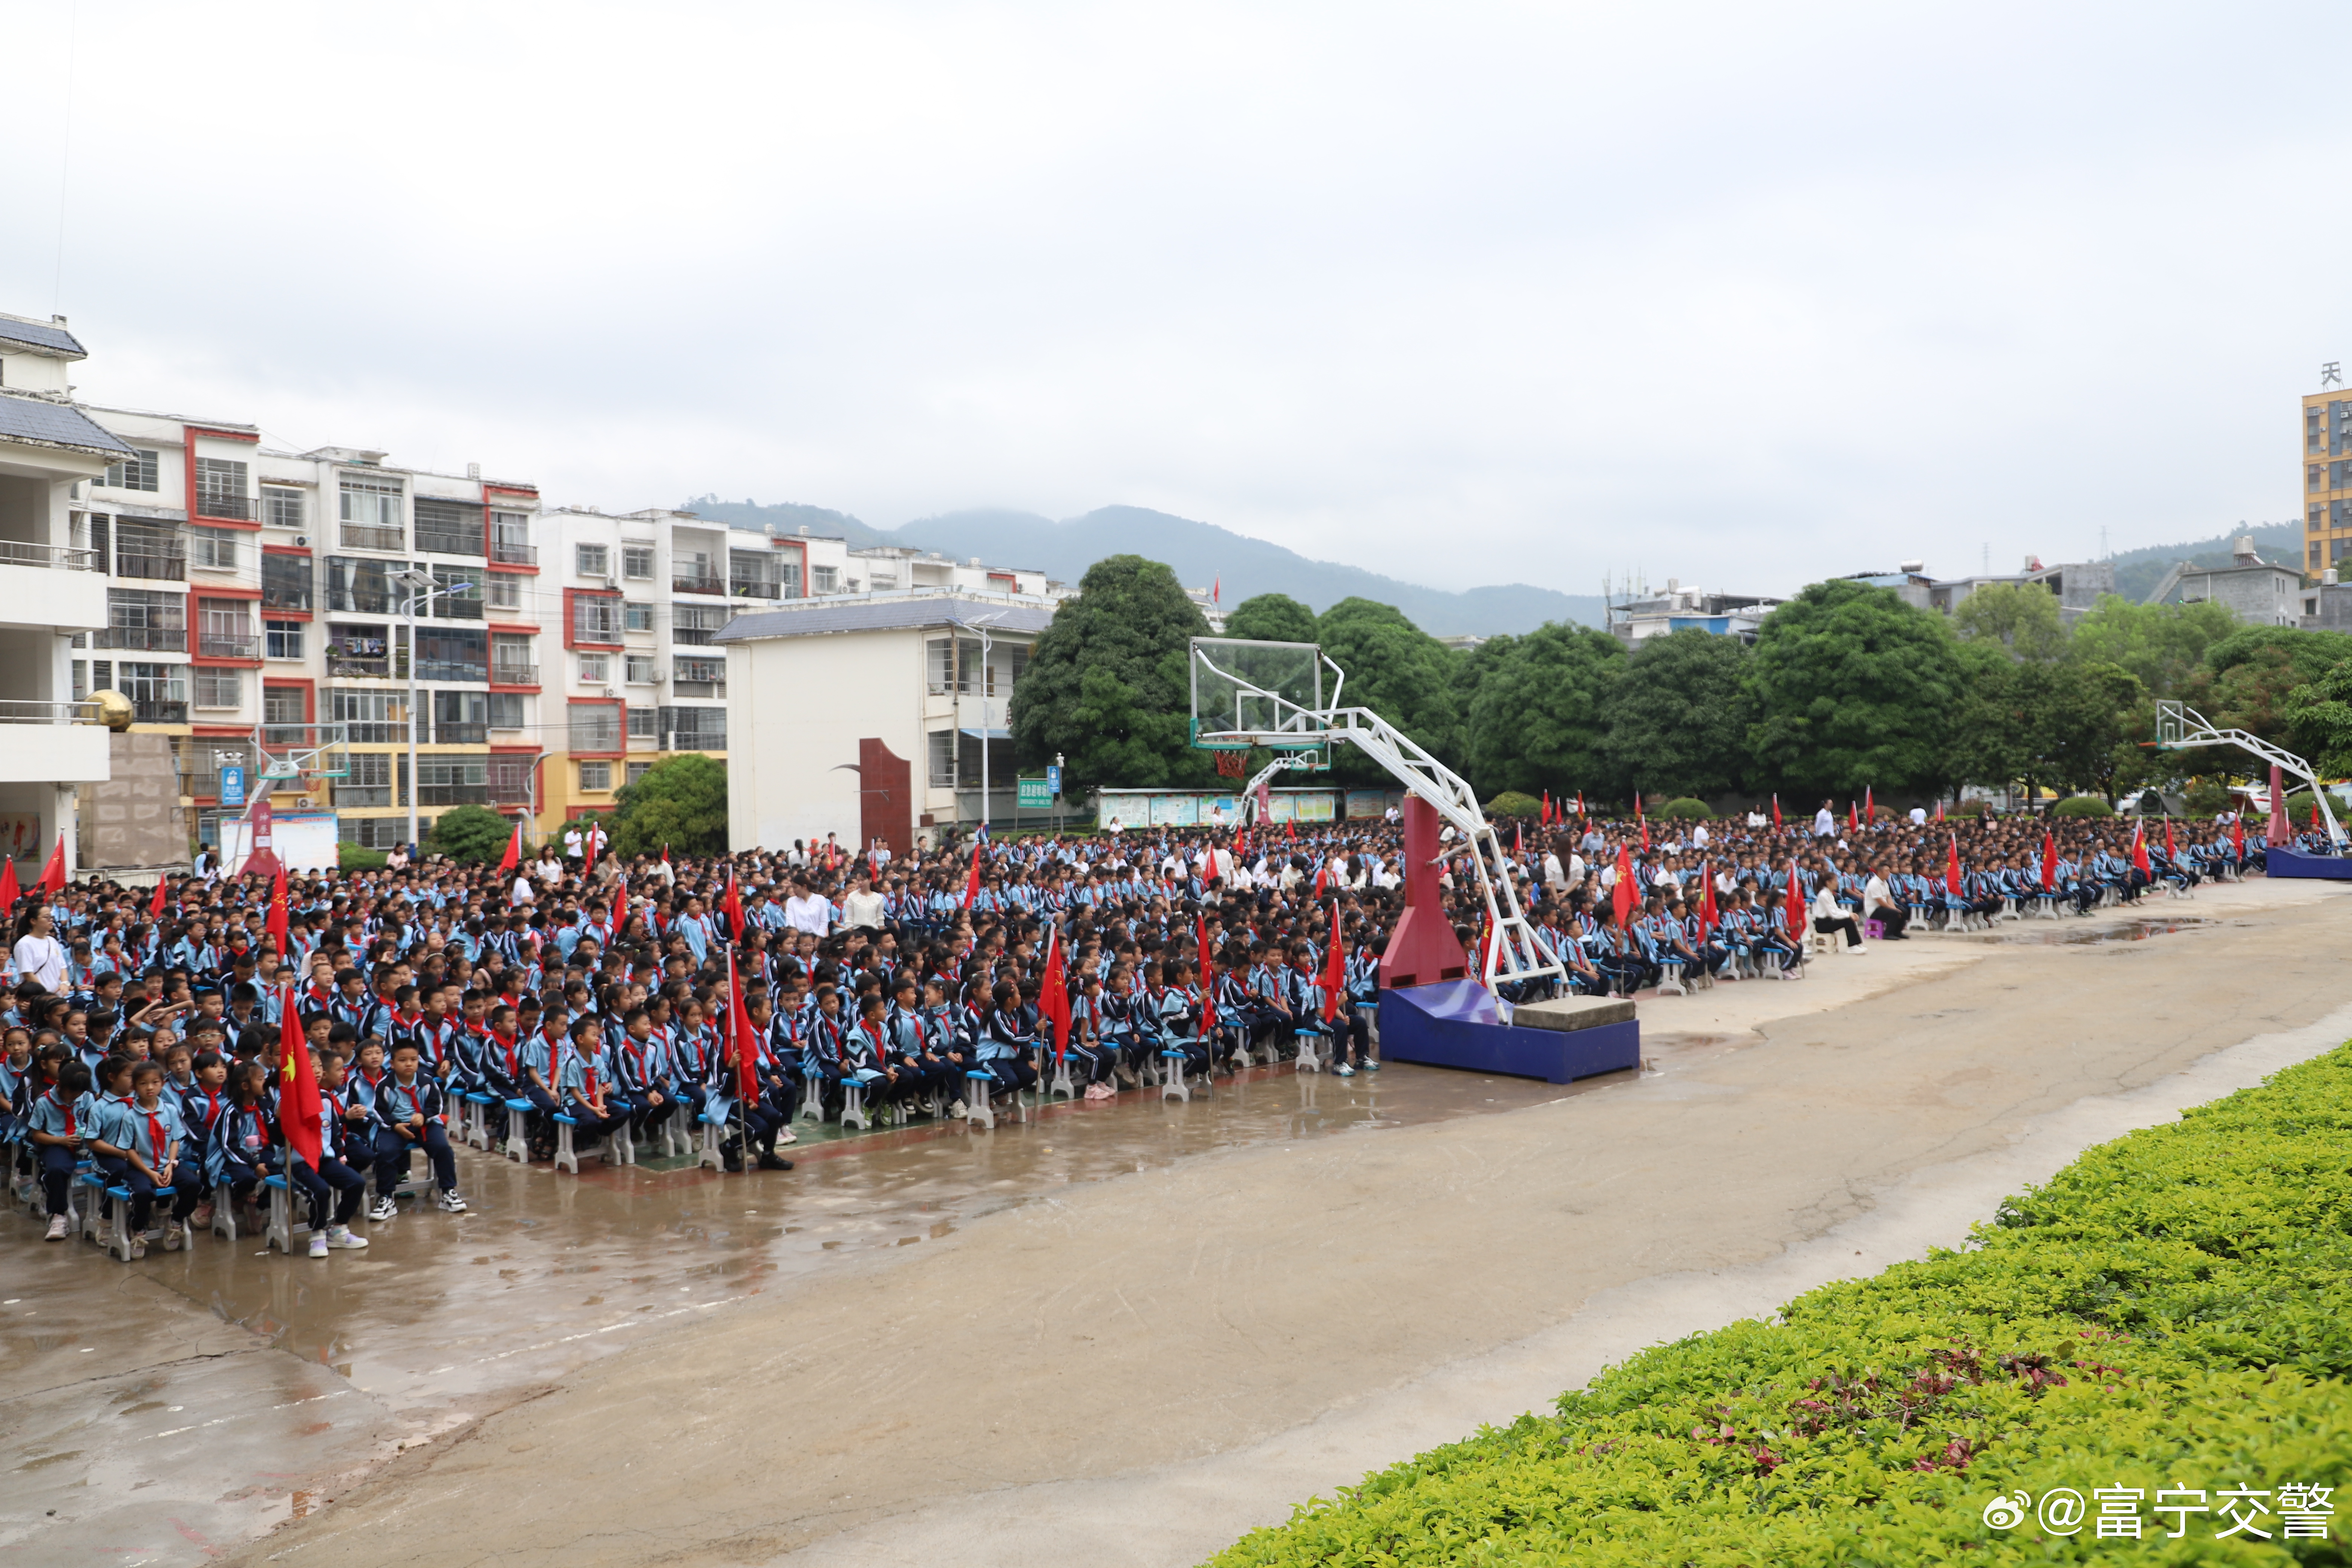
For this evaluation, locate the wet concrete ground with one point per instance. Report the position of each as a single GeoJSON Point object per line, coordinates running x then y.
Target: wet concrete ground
{"type": "Point", "coordinates": [161, 1411]}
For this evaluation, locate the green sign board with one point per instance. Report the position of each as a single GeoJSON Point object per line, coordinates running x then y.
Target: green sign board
{"type": "Point", "coordinates": [1038, 793]}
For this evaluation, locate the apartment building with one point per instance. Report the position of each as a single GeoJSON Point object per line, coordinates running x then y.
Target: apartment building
{"type": "Point", "coordinates": [49, 592]}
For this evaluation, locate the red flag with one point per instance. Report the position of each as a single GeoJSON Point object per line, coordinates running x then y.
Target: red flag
{"type": "Point", "coordinates": [1208, 975]}
{"type": "Point", "coordinates": [298, 1086]}
{"type": "Point", "coordinates": [2139, 852]}
{"type": "Point", "coordinates": [1546, 809]}
{"type": "Point", "coordinates": [53, 875]}
{"type": "Point", "coordinates": [1335, 969]}
{"type": "Point", "coordinates": [1869, 808]}
{"type": "Point", "coordinates": [2238, 834]}
{"type": "Point", "coordinates": [2170, 853]}
{"type": "Point", "coordinates": [590, 836]}
{"type": "Point", "coordinates": [1952, 867]}
{"type": "Point", "coordinates": [1241, 848]}
{"type": "Point", "coordinates": [279, 932]}
{"type": "Point", "coordinates": [10, 892]}
{"type": "Point", "coordinates": [154, 906]}
{"type": "Point", "coordinates": [1853, 817]}
{"type": "Point", "coordinates": [1217, 589]}
{"type": "Point", "coordinates": [731, 906]}
{"type": "Point", "coordinates": [1707, 917]}
{"type": "Point", "coordinates": [971, 883]}
{"type": "Point", "coordinates": [513, 857]}
{"type": "Point", "coordinates": [1939, 811]}
{"type": "Point", "coordinates": [1320, 872]}
{"type": "Point", "coordinates": [740, 1035]}
{"type": "Point", "coordinates": [1290, 831]}
{"type": "Point", "coordinates": [1054, 996]}
{"type": "Point", "coordinates": [2049, 862]}
{"type": "Point", "coordinates": [1795, 909]}
{"type": "Point", "coordinates": [1621, 896]}
{"type": "Point", "coordinates": [1776, 814]}
{"type": "Point", "coordinates": [1579, 805]}
{"type": "Point", "coordinates": [1518, 838]}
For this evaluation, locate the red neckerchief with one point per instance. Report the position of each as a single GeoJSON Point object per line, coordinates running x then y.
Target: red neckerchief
{"type": "Point", "coordinates": [66, 1106]}
{"type": "Point", "coordinates": [156, 1133]}
{"type": "Point", "coordinates": [211, 1107]}
{"type": "Point", "coordinates": [415, 1100]}
{"type": "Point", "coordinates": [513, 1045]}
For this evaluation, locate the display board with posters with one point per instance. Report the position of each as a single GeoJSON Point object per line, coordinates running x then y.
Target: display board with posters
{"type": "Point", "coordinates": [304, 840]}
{"type": "Point", "coordinates": [20, 836]}
{"type": "Point", "coordinates": [1175, 810]}
{"type": "Point", "coordinates": [1185, 808]}
{"type": "Point", "coordinates": [1373, 802]}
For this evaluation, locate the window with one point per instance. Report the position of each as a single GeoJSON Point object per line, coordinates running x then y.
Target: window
{"type": "Point", "coordinates": [286, 582]}
{"type": "Point", "coordinates": [220, 687]}
{"type": "Point", "coordinates": [510, 539]}
{"type": "Point", "coordinates": [596, 669]}
{"type": "Point", "coordinates": [596, 776]}
{"type": "Point", "coordinates": [146, 621]}
{"type": "Point", "coordinates": [461, 718]}
{"type": "Point", "coordinates": [510, 661]}
{"type": "Point", "coordinates": [640, 668]}
{"type": "Point", "coordinates": [510, 777]}
{"type": "Point", "coordinates": [281, 507]}
{"type": "Point", "coordinates": [138, 471]}
{"type": "Point", "coordinates": [158, 692]}
{"type": "Point", "coordinates": [101, 542]}
{"type": "Point", "coordinates": [638, 771]}
{"type": "Point", "coordinates": [371, 513]}
{"type": "Point", "coordinates": [692, 572]}
{"type": "Point", "coordinates": [372, 717]}
{"type": "Point", "coordinates": [449, 527]}
{"type": "Point", "coordinates": [588, 559]}
{"type": "Point", "coordinates": [152, 550]}
{"type": "Point", "coordinates": [826, 578]}
{"type": "Point", "coordinates": [2311, 477]}
{"type": "Point", "coordinates": [503, 591]}
{"type": "Point", "coordinates": [214, 549]}
{"type": "Point", "coordinates": [452, 653]}
{"type": "Point", "coordinates": [452, 602]}
{"type": "Point", "coordinates": [224, 630]}
{"type": "Point", "coordinates": [81, 687]}
{"type": "Point", "coordinates": [363, 586]}
{"type": "Point", "coordinates": [220, 489]}
{"type": "Point", "coordinates": [1016, 664]}
{"type": "Point", "coordinates": [700, 675]}
{"type": "Point", "coordinates": [369, 783]}
{"type": "Point", "coordinates": [284, 715]}
{"type": "Point", "coordinates": [645, 724]}
{"type": "Point", "coordinates": [596, 617]}
{"type": "Point", "coordinates": [595, 726]}
{"type": "Point", "coordinates": [637, 617]}
{"type": "Point", "coordinates": [696, 729]}
{"type": "Point", "coordinates": [755, 574]}
{"type": "Point", "coordinates": [380, 832]}
{"type": "Point", "coordinates": [938, 666]}
{"type": "Point", "coordinates": [452, 781]}
{"type": "Point", "coordinates": [943, 759]}
{"type": "Point", "coordinates": [637, 562]}
{"type": "Point", "coordinates": [281, 640]}
{"type": "Point", "coordinates": [506, 711]}
{"type": "Point", "coordinates": [361, 650]}
{"type": "Point", "coordinates": [694, 623]}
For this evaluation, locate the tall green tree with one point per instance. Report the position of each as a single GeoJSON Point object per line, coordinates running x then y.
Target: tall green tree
{"type": "Point", "coordinates": [2022, 616]}
{"type": "Point", "coordinates": [1398, 671]}
{"type": "Point", "coordinates": [2318, 715]}
{"type": "Point", "coordinates": [1108, 685]}
{"type": "Point", "coordinates": [2160, 644]}
{"type": "Point", "coordinates": [1541, 714]}
{"type": "Point", "coordinates": [474, 835]}
{"type": "Point", "coordinates": [1271, 618]}
{"type": "Point", "coordinates": [1677, 717]}
{"type": "Point", "coordinates": [1852, 688]}
{"type": "Point", "coordinates": [681, 802]}
{"type": "Point", "coordinates": [2249, 674]}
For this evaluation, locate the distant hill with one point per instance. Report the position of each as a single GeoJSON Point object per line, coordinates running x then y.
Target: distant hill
{"type": "Point", "coordinates": [2138, 572]}
{"type": "Point", "coordinates": [1201, 552]}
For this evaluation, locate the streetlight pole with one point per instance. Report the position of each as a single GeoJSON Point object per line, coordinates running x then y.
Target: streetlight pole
{"type": "Point", "coordinates": [981, 627]}
{"type": "Point", "coordinates": [420, 586]}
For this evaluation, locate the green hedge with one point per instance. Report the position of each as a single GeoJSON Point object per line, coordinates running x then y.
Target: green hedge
{"type": "Point", "coordinates": [2083, 805]}
{"type": "Point", "coordinates": [1513, 803]}
{"type": "Point", "coordinates": [2173, 1311]}
{"type": "Point", "coordinates": [1687, 809]}
{"type": "Point", "coordinates": [351, 857]}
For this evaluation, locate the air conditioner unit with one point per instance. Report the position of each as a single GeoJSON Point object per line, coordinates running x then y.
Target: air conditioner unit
{"type": "Point", "coordinates": [610, 693]}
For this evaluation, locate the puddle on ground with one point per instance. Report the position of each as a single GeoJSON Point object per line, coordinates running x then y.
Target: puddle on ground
{"type": "Point", "coordinates": [2061, 933]}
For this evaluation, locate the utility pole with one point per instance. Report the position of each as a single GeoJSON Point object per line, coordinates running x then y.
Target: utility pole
{"type": "Point", "coordinates": [420, 586]}
{"type": "Point", "coordinates": [980, 629]}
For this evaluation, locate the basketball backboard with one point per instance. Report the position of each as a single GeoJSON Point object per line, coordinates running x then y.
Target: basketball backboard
{"type": "Point", "coordinates": [1248, 694]}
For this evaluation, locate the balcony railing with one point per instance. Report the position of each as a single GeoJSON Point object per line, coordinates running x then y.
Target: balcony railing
{"type": "Point", "coordinates": [453, 795]}
{"type": "Point", "coordinates": [374, 536]}
{"type": "Point", "coordinates": [374, 733]}
{"type": "Point", "coordinates": [239, 509]}
{"type": "Point", "coordinates": [363, 795]}
{"type": "Point", "coordinates": [141, 640]}
{"type": "Point", "coordinates": [450, 669]}
{"type": "Point", "coordinates": [441, 541]}
{"type": "Point", "coordinates": [217, 644]}
{"type": "Point", "coordinates": [745, 588]}
{"type": "Point", "coordinates": [699, 582]}
{"type": "Point", "coordinates": [160, 565]}
{"type": "Point", "coordinates": [14, 553]}
{"type": "Point", "coordinates": [691, 636]}
{"type": "Point", "coordinates": [25, 711]}
{"type": "Point", "coordinates": [353, 667]}
{"type": "Point", "coordinates": [159, 710]}
{"type": "Point", "coordinates": [682, 688]}
{"type": "Point", "coordinates": [455, 607]}
{"type": "Point", "coordinates": [509, 552]}
{"type": "Point", "coordinates": [514, 675]}
{"type": "Point", "coordinates": [457, 734]}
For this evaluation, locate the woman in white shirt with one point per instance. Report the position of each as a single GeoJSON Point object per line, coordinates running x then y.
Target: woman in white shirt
{"type": "Point", "coordinates": [1830, 916]}
{"type": "Point", "coordinates": [39, 954]}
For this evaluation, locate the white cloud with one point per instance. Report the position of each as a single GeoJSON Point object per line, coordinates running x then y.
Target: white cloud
{"type": "Point", "coordinates": [1739, 294]}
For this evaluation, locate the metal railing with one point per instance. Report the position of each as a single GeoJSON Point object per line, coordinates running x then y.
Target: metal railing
{"type": "Point", "coordinates": [450, 669]}
{"type": "Point", "coordinates": [155, 565]}
{"type": "Point", "coordinates": [507, 552]}
{"type": "Point", "coordinates": [215, 645]}
{"type": "Point", "coordinates": [442, 541]}
{"type": "Point", "coordinates": [141, 640]}
{"type": "Point", "coordinates": [703, 582]}
{"type": "Point", "coordinates": [510, 791]}
{"type": "Point", "coordinates": [236, 509]}
{"type": "Point", "coordinates": [363, 795]}
{"type": "Point", "coordinates": [26, 710]}
{"type": "Point", "coordinates": [745, 588]}
{"type": "Point", "coordinates": [373, 536]}
{"type": "Point", "coordinates": [453, 795]}
{"type": "Point", "coordinates": [159, 710]}
{"type": "Point", "coordinates": [350, 666]}
{"type": "Point", "coordinates": [514, 675]}
{"type": "Point", "coordinates": [682, 688]}
{"type": "Point", "coordinates": [15, 552]}
{"type": "Point", "coordinates": [460, 734]}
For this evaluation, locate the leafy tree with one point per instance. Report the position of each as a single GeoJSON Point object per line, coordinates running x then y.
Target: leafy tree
{"type": "Point", "coordinates": [1107, 685]}
{"type": "Point", "coordinates": [1852, 688]}
{"type": "Point", "coordinates": [2091, 706]}
{"type": "Point", "coordinates": [680, 801]}
{"type": "Point", "coordinates": [2249, 674]}
{"type": "Point", "coordinates": [1397, 671]}
{"type": "Point", "coordinates": [1470, 669]}
{"type": "Point", "coordinates": [1678, 718]}
{"type": "Point", "coordinates": [473, 833]}
{"type": "Point", "coordinates": [1511, 803]}
{"type": "Point", "coordinates": [1539, 716]}
{"type": "Point", "coordinates": [1271, 618]}
{"type": "Point", "coordinates": [2160, 644]}
{"type": "Point", "coordinates": [2319, 720]}
{"type": "Point", "coordinates": [2022, 616]}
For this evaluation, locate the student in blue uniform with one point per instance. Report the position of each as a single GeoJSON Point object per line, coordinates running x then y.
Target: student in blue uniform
{"type": "Point", "coordinates": [239, 1152]}
{"type": "Point", "coordinates": [335, 1191]}
{"type": "Point", "coordinates": [53, 1126]}
{"type": "Point", "coordinates": [411, 1115]}
{"type": "Point", "coordinates": [152, 1137]}
{"type": "Point", "coordinates": [586, 1083]}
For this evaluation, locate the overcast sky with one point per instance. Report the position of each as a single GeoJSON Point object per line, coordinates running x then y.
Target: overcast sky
{"type": "Point", "coordinates": [1746, 295]}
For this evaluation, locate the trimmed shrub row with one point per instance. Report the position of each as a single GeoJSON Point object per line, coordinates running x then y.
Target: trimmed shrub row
{"type": "Point", "coordinates": [2173, 1311]}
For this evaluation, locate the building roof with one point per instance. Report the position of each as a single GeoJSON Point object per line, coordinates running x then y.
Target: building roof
{"type": "Point", "coordinates": [50, 335]}
{"type": "Point", "coordinates": [905, 611]}
{"type": "Point", "coordinates": [47, 423]}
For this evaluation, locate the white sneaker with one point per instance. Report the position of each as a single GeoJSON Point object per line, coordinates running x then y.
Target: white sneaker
{"type": "Point", "coordinates": [788, 1136]}
{"type": "Point", "coordinates": [384, 1208]}
{"type": "Point", "coordinates": [958, 1109]}
{"type": "Point", "coordinates": [174, 1238]}
{"type": "Point", "coordinates": [138, 1248]}
{"type": "Point", "coordinates": [1344, 1071]}
{"type": "Point", "coordinates": [340, 1238]}
{"type": "Point", "coordinates": [449, 1203]}
{"type": "Point", "coordinates": [56, 1228]}
{"type": "Point", "coordinates": [318, 1244]}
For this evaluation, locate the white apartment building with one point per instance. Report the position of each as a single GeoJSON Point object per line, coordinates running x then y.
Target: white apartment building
{"type": "Point", "coordinates": [48, 593]}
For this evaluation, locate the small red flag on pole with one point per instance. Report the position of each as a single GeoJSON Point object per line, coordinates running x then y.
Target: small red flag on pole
{"type": "Point", "coordinates": [2170, 853]}
{"type": "Point", "coordinates": [2049, 862]}
{"type": "Point", "coordinates": [1054, 996]}
{"type": "Point", "coordinates": [1869, 806]}
{"type": "Point", "coordinates": [1795, 909]}
{"type": "Point", "coordinates": [2238, 834]}
{"type": "Point", "coordinates": [1776, 814]}
{"type": "Point", "coordinates": [1621, 897]}
{"type": "Point", "coordinates": [2139, 852]}
{"type": "Point", "coordinates": [513, 857]}
{"type": "Point", "coordinates": [279, 932]}
{"type": "Point", "coordinates": [298, 1096]}
{"type": "Point", "coordinates": [154, 906]}
{"type": "Point", "coordinates": [1208, 976]}
{"type": "Point", "coordinates": [972, 882]}
{"type": "Point", "coordinates": [1952, 867]}
{"type": "Point", "coordinates": [1335, 969]}
{"type": "Point", "coordinates": [10, 891]}
{"type": "Point", "coordinates": [53, 875]}
{"type": "Point", "coordinates": [1707, 918]}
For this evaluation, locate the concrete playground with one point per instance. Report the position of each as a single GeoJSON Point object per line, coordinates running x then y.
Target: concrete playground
{"type": "Point", "coordinates": [1122, 1333]}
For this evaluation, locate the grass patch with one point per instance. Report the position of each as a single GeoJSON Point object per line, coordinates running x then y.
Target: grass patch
{"type": "Point", "coordinates": [2174, 1310]}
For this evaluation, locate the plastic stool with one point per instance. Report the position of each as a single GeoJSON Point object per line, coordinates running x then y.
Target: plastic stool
{"type": "Point", "coordinates": [518, 1144]}
{"type": "Point", "coordinates": [1172, 1084]}
{"type": "Point", "coordinates": [565, 1159]}
{"type": "Point", "coordinates": [978, 1086]}
{"type": "Point", "coordinates": [279, 1231]}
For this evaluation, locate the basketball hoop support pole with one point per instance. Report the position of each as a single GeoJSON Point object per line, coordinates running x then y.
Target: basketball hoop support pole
{"type": "Point", "coordinates": [2180, 726]}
